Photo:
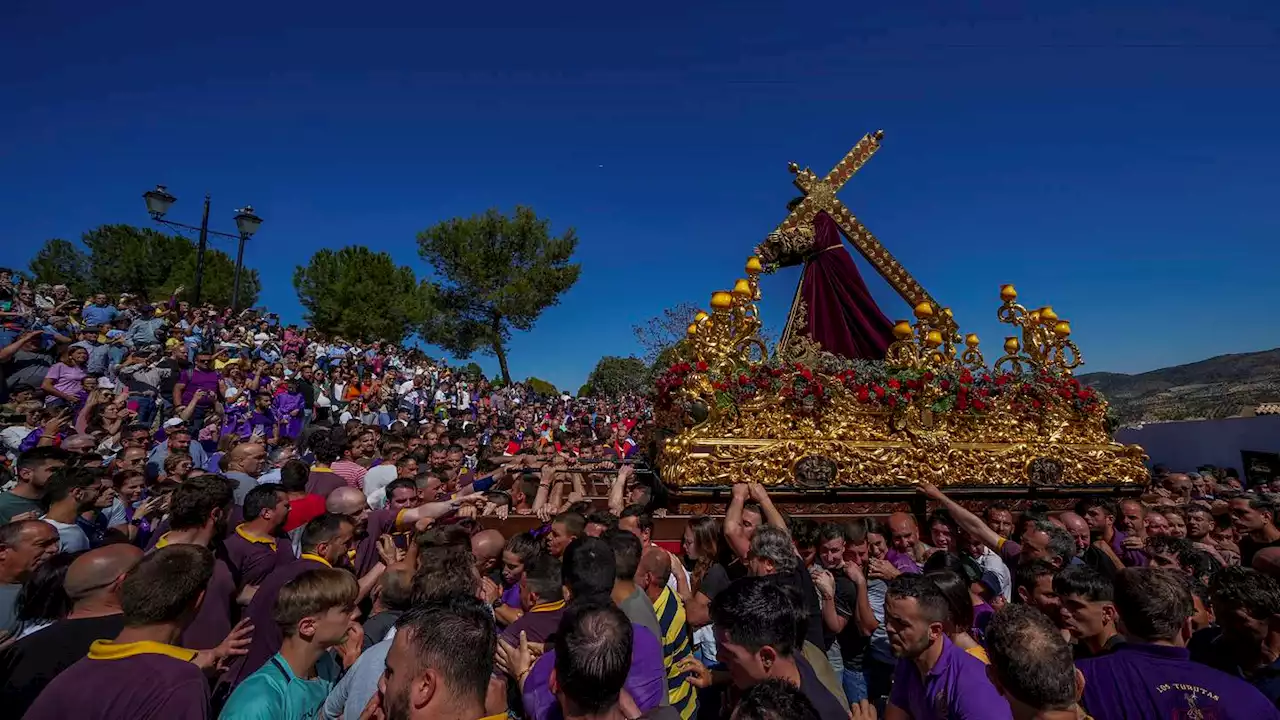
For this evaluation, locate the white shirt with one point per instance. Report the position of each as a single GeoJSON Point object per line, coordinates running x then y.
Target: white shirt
{"type": "Point", "coordinates": [991, 562]}
{"type": "Point", "coordinates": [376, 482]}
{"type": "Point", "coordinates": [70, 537]}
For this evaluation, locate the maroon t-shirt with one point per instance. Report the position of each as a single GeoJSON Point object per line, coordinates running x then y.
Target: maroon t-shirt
{"type": "Point", "coordinates": [323, 481]}
{"type": "Point", "coordinates": [538, 625]}
{"type": "Point", "coordinates": [267, 637]}
{"type": "Point", "coordinates": [139, 681]}
{"type": "Point", "coordinates": [254, 559]}
{"type": "Point", "coordinates": [217, 614]}
{"type": "Point", "coordinates": [366, 552]}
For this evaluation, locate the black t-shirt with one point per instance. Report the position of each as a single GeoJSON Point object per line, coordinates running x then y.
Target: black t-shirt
{"type": "Point", "coordinates": [827, 705]}
{"type": "Point", "coordinates": [1249, 548]}
{"type": "Point", "coordinates": [308, 392]}
{"type": "Point", "coordinates": [167, 382]}
{"type": "Point", "coordinates": [853, 643]}
{"type": "Point", "coordinates": [31, 663]}
{"type": "Point", "coordinates": [714, 581]}
{"type": "Point", "coordinates": [815, 630]}
{"type": "Point", "coordinates": [1100, 561]}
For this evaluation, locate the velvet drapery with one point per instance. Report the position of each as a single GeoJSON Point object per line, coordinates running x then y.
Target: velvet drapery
{"type": "Point", "coordinates": [842, 316]}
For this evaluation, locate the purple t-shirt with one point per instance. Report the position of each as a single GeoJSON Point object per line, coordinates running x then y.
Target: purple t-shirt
{"type": "Point", "coordinates": [194, 380]}
{"type": "Point", "coordinates": [254, 559]}
{"type": "Point", "coordinates": [140, 681]}
{"type": "Point", "coordinates": [1141, 680]}
{"type": "Point", "coordinates": [646, 681]}
{"type": "Point", "coordinates": [1130, 558]}
{"type": "Point", "coordinates": [66, 379]}
{"type": "Point", "coordinates": [905, 563]}
{"type": "Point", "coordinates": [956, 688]}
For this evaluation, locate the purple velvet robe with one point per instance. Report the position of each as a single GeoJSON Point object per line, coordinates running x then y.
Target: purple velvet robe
{"type": "Point", "coordinates": [284, 407]}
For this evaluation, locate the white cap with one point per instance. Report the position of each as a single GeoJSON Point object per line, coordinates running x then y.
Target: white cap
{"type": "Point", "coordinates": [173, 422]}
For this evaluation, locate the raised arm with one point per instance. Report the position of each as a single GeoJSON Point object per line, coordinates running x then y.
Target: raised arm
{"type": "Point", "coordinates": [967, 521]}
{"type": "Point", "coordinates": [12, 348]}
{"type": "Point", "coordinates": [733, 532]}
{"type": "Point", "coordinates": [617, 491]}
{"type": "Point", "coordinates": [771, 514]}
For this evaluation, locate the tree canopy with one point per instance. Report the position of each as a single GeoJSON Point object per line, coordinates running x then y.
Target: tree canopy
{"type": "Point", "coordinates": [142, 261]}
{"type": "Point", "coordinates": [494, 274]}
{"type": "Point", "coordinates": [540, 386]}
{"type": "Point", "coordinates": [615, 376]}
{"type": "Point", "coordinates": [359, 294]}
{"type": "Point", "coordinates": [664, 331]}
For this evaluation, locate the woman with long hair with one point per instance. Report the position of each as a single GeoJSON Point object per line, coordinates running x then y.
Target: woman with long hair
{"type": "Point", "coordinates": [704, 549]}
{"type": "Point", "coordinates": [960, 618]}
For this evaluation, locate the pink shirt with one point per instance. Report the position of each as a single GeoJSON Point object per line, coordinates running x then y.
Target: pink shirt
{"type": "Point", "coordinates": [66, 379]}
{"type": "Point", "coordinates": [351, 472]}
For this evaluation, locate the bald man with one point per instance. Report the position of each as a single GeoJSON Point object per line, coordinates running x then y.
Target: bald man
{"type": "Point", "coordinates": [904, 543]}
{"type": "Point", "coordinates": [78, 444]}
{"type": "Point", "coordinates": [487, 546]}
{"type": "Point", "coordinates": [244, 464]}
{"type": "Point", "coordinates": [93, 584]}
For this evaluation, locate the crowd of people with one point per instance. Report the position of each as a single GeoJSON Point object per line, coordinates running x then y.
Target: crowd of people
{"type": "Point", "coordinates": [210, 515]}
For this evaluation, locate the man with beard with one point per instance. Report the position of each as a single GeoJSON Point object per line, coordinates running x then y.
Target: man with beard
{"type": "Point", "coordinates": [1102, 516]}
{"type": "Point", "coordinates": [258, 544]}
{"type": "Point", "coordinates": [198, 511]}
{"type": "Point", "coordinates": [1246, 604]}
{"type": "Point", "coordinates": [439, 663]}
{"type": "Point", "coordinates": [934, 677]}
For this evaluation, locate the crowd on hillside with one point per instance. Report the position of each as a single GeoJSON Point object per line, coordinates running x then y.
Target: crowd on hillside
{"type": "Point", "coordinates": [210, 515]}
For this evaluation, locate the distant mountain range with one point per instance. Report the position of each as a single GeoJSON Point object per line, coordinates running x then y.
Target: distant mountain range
{"type": "Point", "coordinates": [1219, 387]}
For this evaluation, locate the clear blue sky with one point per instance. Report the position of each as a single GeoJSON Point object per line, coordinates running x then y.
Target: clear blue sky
{"type": "Point", "coordinates": [1117, 163]}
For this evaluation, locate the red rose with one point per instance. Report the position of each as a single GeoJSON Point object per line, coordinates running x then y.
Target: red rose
{"type": "Point", "coordinates": [702, 366]}
{"type": "Point", "coordinates": [1036, 404]}
{"type": "Point", "coordinates": [863, 395]}
{"type": "Point", "coordinates": [777, 372]}
{"type": "Point", "coordinates": [817, 390]}
{"type": "Point", "coordinates": [1002, 379]}
{"type": "Point", "coordinates": [893, 383]}
{"type": "Point", "coordinates": [806, 373]}
{"type": "Point", "coordinates": [945, 385]}
{"type": "Point", "coordinates": [879, 391]}
{"type": "Point", "coordinates": [892, 401]}
{"type": "Point", "coordinates": [927, 377]}
{"type": "Point", "coordinates": [742, 380]}
{"type": "Point", "coordinates": [966, 377]}
{"type": "Point", "coordinates": [1084, 395]}
{"type": "Point", "coordinates": [787, 392]}
{"type": "Point", "coordinates": [979, 405]}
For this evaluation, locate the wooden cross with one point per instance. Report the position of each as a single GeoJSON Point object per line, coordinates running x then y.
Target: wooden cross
{"type": "Point", "coordinates": [820, 195]}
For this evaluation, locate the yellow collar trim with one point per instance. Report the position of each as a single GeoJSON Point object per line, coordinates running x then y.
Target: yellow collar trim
{"type": "Point", "coordinates": [499, 716]}
{"type": "Point", "coordinates": [108, 650]}
{"type": "Point", "coordinates": [548, 607]}
{"type": "Point", "coordinates": [254, 539]}
{"type": "Point", "coordinates": [321, 469]}
{"type": "Point", "coordinates": [317, 558]}
{"type": "Point", "coordinates": [163, 541]}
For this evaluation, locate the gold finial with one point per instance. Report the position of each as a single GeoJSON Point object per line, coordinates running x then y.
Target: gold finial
{"type": "Point", "coordinates": [793, 168]}
{"type": "Point", "coordinates": [1047, 315]}
{"type": "Point", "coordinates": [1062, 329]}
{"type": "Point", "coordinates": [693, 329]}
{"type": "Point", "coordinates": [753, 265]}
{"type": "Point", "coordinates": [879, 134]}
{"type": "Point", "coordinates": [1011, 345]}
{"type": "Point", "coordinates": [742, 288]}
{"type": "Point", "coordinates": [924, 310]}
{"type": "Point", "coordinates": [702, 315]}
{"type": "Point", "coordinates": [971, 340]}
{"type": "Point", "coordinates": [902, 330]}
{"type": "Point", "coordinates": [1007, 293]}
{"type": "Point", "coordinates": [933, 339]}
{"type": "Point", "coordinates": [721, 300]}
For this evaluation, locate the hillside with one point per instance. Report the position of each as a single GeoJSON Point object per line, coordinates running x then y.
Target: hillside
{"type": "Point", "coordinates": [1214, 388]}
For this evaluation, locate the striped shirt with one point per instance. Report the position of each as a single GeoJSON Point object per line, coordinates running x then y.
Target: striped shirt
{"type": "Point", "coordinates": [676, 646]}
{"type": "Point", "coordinates": [351, 472]}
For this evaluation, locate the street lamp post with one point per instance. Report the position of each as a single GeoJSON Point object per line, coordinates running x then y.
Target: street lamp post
{"type": "Point", "coordinates": [160, 200]}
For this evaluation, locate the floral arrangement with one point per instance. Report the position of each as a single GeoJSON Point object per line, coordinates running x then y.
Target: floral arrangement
{"type": "Point", "coordinates": [878, 386]}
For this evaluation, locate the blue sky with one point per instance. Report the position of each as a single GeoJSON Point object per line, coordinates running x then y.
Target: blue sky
{"type": "Point", "coordinates": [1117, 163]}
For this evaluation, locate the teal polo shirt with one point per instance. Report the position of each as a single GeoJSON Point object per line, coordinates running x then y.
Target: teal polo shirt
{"type": "Point", "coordinates": [275, 693]}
